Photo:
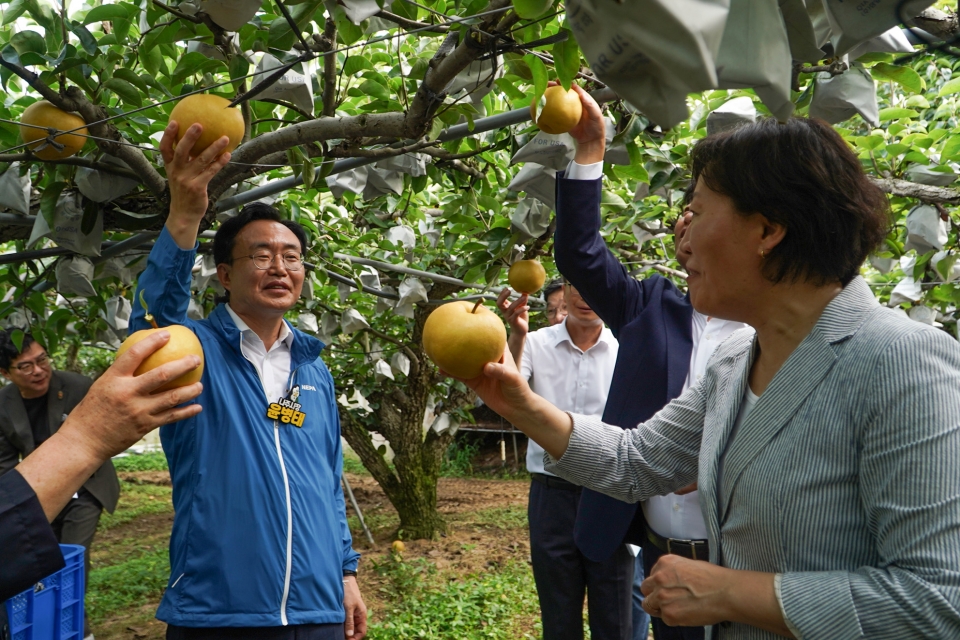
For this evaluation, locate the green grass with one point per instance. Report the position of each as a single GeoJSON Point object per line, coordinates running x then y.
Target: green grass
{"type": "Point", "coordinates": [119, 587]}
{"type": "Point", "coordinates": [352, 464]}
{"type": "Point", "coordinates": [156, 461]}
{"type": "Point", "coordinates": [137, 500]}
{"type": "Point", "coordinates": [485, 606]}
{"type": "Point", "coordinates": [513, 517]}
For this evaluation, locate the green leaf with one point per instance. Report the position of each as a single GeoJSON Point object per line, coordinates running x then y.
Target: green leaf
{"type": "Point", "coordinates": [91, 211]}
{"type": "Point", "coordinates": [307, 172]}
{"type": "Point", "coordinates": [25, 41]}
{"type": "Point", "coordinates": [355, 64]}
{"type": "Point", "coordinates": [904, 76]}
{"type": "Point", "coordinates": [896, 113]}
{"type": "Point", "coordinates": [131, 76]}
{"type": "Point", "coordinates": [950, 87]}
{"type": "Point", "coordinates": [566, 60]}
{"type": "Point", "coordinates": [951, 149]}
{"type": "Point", "coordinates": [239, 67]}
{"type": "Point", "coordinates": [87, 41]}
{"type": "Point", "coordinates": [897, 149]}
{"type": "Point", "coordinates": [13, 11]}
{"type": "Point", "coordinates": [17, 336]}
{"type": "Point", "coordinates": [106, 13]}
{"type": "Point", "coordinates": [945, 266]}
{"type": "Point", "coordinates": [375, 89]}
{"type": "Point", "coordinates": [347, 32]}
{"type": "Point", "coordinates": [48, 201]}
{"type": "Point", "coordinates": [540, 76]}
{"type": "Point", "coordinates": [126, 91]}
{"type": "Point", "coordinates": [152, 60]}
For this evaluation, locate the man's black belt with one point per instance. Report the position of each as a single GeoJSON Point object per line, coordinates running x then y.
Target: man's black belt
{"type": "Point", "coordinates": [554, 482]}
{"type": "Point", "coordinates": [694, 549]}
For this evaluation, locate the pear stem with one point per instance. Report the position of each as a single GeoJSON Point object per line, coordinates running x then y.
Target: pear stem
{"type": "Point", "coordinates": [153, 323]}
{"type": "Point", "coordinates": [477, 306]}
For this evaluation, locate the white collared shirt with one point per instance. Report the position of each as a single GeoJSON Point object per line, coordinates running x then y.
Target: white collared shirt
{"type": "Point", "coordinates": [272, 366]}
{"type": "Point", "coordinates": [674, 516]}
{"type": "Point", "coordinates": [573, 380]}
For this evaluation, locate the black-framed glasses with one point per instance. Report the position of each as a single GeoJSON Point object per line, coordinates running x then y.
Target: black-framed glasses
{"type": "Point", "coordinates": [26, 368]}
{"type": "Point", "coordinates": [262, 260]}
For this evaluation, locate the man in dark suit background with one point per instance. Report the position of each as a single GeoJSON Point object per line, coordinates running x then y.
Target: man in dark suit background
{"type": "Point", "coordinates": [31, 410]}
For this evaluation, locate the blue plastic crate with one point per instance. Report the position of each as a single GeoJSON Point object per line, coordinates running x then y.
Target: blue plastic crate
{"type": "Point", "coordinates": [53, 608]}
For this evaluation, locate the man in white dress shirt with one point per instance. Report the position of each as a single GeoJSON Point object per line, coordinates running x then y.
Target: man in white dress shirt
{"type": "Point", "coordinates": [570, 363]}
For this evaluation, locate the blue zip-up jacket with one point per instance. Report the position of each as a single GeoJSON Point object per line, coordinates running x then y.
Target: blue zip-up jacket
{"type": "Point", "coordinates": [260, 535]}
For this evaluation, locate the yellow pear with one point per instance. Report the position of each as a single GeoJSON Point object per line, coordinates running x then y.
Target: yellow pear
{"type": "Point", "coordinates": [398, 546]}
{"type": "Point", "coordinates": [44, 114]}
{"type": "Point", "coordinates": [561, 111]}
{"type": "Point", "coordinates": [526, 276]}
{"type": "Point", "coordinates": [217, 118]}
{"type": "Point", "coordinates": [460, 341]}
{"type": "Point", "coordinates": [183, 342]}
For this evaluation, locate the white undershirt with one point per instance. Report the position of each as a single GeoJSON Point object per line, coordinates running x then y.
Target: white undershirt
{"type": "Point", "coordinates": [272, 366]}
{"type": "Point", "coordinates": [570, 378]}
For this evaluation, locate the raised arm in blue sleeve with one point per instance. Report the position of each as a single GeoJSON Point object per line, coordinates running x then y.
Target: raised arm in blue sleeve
{"type": "Point", "coordinates": [165, 283]}
{"type": "Point", "coordinates": [584, 259]}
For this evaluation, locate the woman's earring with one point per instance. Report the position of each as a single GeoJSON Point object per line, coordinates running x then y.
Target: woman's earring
{"type": "Point", "coordinates": [763, 253]}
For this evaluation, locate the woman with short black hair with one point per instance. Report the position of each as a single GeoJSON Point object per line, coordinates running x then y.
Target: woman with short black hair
{"type": "Point", "coordinates": [827, 448]}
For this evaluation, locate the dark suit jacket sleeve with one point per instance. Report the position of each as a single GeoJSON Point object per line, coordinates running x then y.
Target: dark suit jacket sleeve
{"type": "Point", "coordinates": [9, 455]}
{"type": "Point", "coordinates": [28, 549]}
{"type": "Point", "coordinates": [584, 259]}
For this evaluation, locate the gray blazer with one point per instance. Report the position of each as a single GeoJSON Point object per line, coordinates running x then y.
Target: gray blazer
{"type": "Point", "coordinates": [16, 438]}
{"type": "Point", "coordinates": [844, 480]}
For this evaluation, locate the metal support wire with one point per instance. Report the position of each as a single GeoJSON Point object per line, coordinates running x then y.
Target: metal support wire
{"type": "Point", "coordinates": [356, 508]}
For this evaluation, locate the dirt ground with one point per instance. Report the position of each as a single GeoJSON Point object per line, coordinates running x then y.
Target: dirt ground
{"type": "Point", "coordinates": [486, 528]}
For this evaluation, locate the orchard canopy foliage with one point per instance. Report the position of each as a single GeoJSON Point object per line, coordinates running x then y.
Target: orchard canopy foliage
{"type": "Point", "coordinates": [381, 81]}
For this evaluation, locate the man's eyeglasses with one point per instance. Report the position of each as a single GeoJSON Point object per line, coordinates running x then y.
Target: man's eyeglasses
{"type": "Point", "coordinates": [26, 368]}
{"type": "Point", "coordinates": [263, 259]}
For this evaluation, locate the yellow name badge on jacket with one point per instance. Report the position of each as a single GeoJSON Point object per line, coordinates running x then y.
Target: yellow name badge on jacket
{"type": "Point", "coordinates": [286, 411]}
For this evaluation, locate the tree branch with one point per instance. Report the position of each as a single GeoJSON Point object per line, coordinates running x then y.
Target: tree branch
{"type": "Point", "coordinates": [411, 24]}
{"type": "Point", "coordinates": [414, 360]}
{"type": "Point", "coordinates": [443, 154]}
{"type": "Point", "coordinates": [179, 14]}
{"type": "Point", "coordinates": [937, 23]}
{"type": "Point", "coordinates": [383, 152]}
{"type": "Point", "coordinates": [462, 167]}
{"type": "Point", "coordinates": [386, 124]}
{"type": "Point", "coordinates": [329, 97]}
{"type": "Point", "coordinates": [923, 192]}
{"type": "Point", "coordinates": [442, 70]}
{"type": "Point", "coordinates": [131, 156]}
{"type": "Point", "coordinates": [74, 161]}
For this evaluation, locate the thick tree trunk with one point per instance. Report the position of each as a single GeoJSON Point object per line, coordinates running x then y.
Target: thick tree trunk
{"type": "Point", "coordinates": [411, 485]}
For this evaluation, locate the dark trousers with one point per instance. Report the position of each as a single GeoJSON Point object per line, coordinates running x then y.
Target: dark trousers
{"type": "Point", "coordinates": [661, 631]}
{"type": "Point", "coordinates": [563, 575]}
{"type": "Point", "coordinates": [292, 632]}
{"type": "Point", "coordinates": [77, 524]}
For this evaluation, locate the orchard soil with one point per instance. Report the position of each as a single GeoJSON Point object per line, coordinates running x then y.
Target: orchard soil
{"type": "Point", "coordinates": [487, 529]}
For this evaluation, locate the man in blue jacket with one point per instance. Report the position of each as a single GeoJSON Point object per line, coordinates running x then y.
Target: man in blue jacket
{"type": "Point", "coordinates": [260, 545]}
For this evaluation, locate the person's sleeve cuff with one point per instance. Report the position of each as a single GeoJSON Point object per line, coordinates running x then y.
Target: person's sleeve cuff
{"type": "Point", "coordinates": [578, 462]}
{"type": "Point", "coordinates": [812, 601]}
{"type": "Point", "coordinates": [577, 171]}
{"type": "Point", "coordinates": [776, 588]}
